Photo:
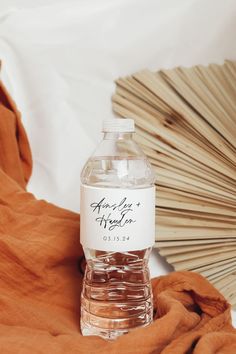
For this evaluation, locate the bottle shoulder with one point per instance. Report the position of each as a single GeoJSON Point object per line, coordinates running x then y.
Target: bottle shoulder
{"type": "Point", "coordinates": [118, 172]}
{"type": "Point", "coordinates": [119, 148]}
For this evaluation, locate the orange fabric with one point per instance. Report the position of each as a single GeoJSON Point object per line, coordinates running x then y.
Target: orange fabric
{"type": "Point", "coordinates": [15, 154]}
{"type": "Point", "coordinates": [40, 278]}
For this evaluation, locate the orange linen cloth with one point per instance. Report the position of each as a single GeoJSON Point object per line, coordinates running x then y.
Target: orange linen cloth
{"type": "Point", "coordinates": [40, 280]}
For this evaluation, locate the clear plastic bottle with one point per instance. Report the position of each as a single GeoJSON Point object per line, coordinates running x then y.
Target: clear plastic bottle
{"type": "Point", "coordinates": [117, 234]}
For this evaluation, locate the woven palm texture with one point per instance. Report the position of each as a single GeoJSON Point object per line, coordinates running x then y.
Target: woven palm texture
{"type": "Point", "coordinates": [186, 124]}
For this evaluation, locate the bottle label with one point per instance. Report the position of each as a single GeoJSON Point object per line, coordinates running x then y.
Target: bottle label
{"type": "Point", "coordinates": [117, 219]}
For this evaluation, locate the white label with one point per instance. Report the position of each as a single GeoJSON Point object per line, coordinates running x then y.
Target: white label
{"type": "Point", "coordinates": [117, 219]}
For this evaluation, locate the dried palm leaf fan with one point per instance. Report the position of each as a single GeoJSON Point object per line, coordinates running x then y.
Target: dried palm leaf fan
{"type": "Point", "coordinates": [186, 124]}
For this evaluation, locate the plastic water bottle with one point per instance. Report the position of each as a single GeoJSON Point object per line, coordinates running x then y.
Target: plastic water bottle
{"type": "Point", "coordinates": [117, 234]}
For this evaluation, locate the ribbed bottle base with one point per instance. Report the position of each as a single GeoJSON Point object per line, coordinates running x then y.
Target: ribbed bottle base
{"type": "Point", "coordinates": [108, 334]}
{"type": "Point", "coordinates": [117, 294]}
{"type": "Point", "coordinates": [110, 328]}
{"type": "Point", "coordinates": [88, 330]}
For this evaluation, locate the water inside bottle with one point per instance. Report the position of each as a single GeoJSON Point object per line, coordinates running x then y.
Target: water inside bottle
{"type": "Point", "coordinates": [116, 295]}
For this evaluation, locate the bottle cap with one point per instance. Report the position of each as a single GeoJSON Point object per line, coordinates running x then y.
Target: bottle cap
{"type": "Point", "coordinates": [122, 125]}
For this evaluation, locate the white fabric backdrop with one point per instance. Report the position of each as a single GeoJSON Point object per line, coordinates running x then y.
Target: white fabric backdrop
{"type": "Point", "coordinates": [60, 58]}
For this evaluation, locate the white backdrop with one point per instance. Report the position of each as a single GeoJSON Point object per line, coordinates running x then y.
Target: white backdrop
{"type": "Point", "coordinates": [60, 59]}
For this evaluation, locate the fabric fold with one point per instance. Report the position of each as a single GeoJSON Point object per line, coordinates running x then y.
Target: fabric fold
{"type": "Point", "coordinates": [15, 153]}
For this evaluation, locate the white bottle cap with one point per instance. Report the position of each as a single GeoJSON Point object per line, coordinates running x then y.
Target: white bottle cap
{"type": "Point", "coordinates": [118, 125]}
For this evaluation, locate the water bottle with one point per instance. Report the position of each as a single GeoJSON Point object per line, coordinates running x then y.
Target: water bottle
{"type": "Point", "coordinates": [117, 234]}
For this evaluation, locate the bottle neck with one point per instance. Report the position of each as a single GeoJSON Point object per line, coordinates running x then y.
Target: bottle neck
{"type": "Point", "coordinates": [117, 135]}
